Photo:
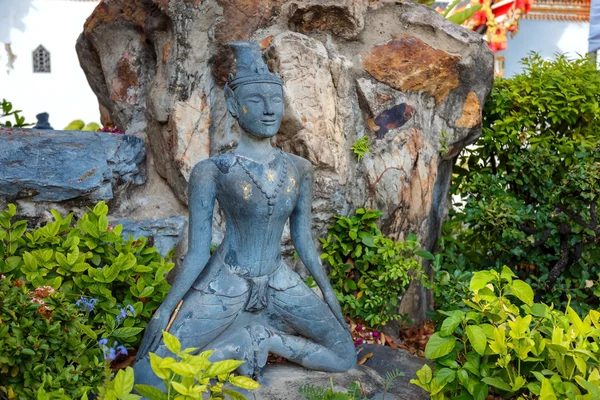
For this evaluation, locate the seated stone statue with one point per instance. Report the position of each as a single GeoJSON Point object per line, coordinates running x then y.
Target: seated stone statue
{"type": "Point", "coordinates": [244, 301]}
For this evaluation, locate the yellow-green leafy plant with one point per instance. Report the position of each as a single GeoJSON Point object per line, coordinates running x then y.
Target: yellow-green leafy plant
{"type": "Point", "coordinates": [119, 387]}
{"type": "Point", "coordinates": [189, 377]}
{"type": "Point", "coordinates": [361, 147]}
{"type": "Point", "coordinates": [506, 344]}
{"type": "Point", "coordinates": [79, 125]}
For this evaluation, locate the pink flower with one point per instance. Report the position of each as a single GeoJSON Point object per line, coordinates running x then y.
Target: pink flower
{"type": "Point", "coordinates": [376, 334]}
{"type": "Point", "coordinates": [43, 291]}
{"type": "Point", "coordinates": [358, 328]}
{"type": "Point", "coordinates": [2, 276]}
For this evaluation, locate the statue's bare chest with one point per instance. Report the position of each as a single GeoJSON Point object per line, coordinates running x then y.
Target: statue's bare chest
{"type": "Point", "coordinates": [258, 189]}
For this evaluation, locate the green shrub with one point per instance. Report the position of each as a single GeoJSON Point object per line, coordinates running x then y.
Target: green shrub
{"type": "Point", "coordinates": [508, 345]}
{"type": "Point", "coordinates": [8, 111]}
{"type": "Point", "coordinates": [530, 183]}
{"type": "Point", "coordinates": [41, 343]}
{"type": "Point", "coordinates": [369, 271]}
{"type": "Point", "coordinates": [189, 376]}
{"type": "Point", "coordinates": [451, 274]}
{"type": "Point", "coordinates": [119, 283]}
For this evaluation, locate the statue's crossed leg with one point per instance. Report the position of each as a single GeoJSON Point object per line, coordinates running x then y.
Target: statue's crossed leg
{"type": "Point", "coordinates": [295, 324]}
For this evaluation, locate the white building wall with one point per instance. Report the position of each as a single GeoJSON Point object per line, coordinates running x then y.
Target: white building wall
{"type": "Point", "coordinates": [63, 93]}
{"type": "Point", "coordinates": [546, 38]}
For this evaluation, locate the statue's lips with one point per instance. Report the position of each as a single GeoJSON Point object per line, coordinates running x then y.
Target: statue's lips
{"type": "Point", "coordinates": [269, 122]}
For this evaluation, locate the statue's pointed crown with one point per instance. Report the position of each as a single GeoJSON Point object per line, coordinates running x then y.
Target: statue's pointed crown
{"type": "Point", "coordinates": [250, 66]}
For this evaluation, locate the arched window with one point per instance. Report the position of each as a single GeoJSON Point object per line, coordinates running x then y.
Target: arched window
{"type": "Point", "coordinates": [41, 59]}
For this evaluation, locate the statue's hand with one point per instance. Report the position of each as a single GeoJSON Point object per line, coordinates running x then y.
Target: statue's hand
{"type": "Point", "coordinates": [334, 305]}
{"type": "Point", "coordinates": [153, 333]}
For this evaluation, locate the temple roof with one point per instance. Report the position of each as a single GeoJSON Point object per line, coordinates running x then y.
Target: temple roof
{"type": "Point", "coordinates": [561, 10]}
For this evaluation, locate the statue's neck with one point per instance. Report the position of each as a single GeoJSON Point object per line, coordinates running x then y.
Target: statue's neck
{"type": "Point", "coordinates": [258, 149]}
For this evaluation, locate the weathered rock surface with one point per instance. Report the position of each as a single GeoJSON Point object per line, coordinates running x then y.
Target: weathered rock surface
{"type": "Point", "coordinates": [385, 359]}
{"type": "Point", "coordinates": [398, 72]}
{"type": "Point", "coordinates": [164, 234]}
{"type": "Point", "coordinates": [47, 165]}
{"type": "Point", "coordinates": [282, 381]}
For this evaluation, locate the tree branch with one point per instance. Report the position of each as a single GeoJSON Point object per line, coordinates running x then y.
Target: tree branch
{"type": "Point", "coordinates": [562, 261]}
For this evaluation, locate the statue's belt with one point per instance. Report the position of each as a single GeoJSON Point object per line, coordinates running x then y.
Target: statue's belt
{"type": "Point", "coordinates": [257, 299]}
{"type": "Point", "coordinates": [233, 281]}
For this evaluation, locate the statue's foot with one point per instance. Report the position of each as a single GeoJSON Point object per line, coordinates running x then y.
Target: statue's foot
{"type": "Point", "coordinates": [261, 344]}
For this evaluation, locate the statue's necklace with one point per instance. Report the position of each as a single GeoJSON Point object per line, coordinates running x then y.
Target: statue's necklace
{"type": "Point", "coordinates": [270, 197]}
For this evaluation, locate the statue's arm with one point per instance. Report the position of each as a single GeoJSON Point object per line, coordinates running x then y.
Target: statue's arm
{"type": "Point", "coordinates": [300, 227]}
{"type": "Point", "coordinates": [201, 196]}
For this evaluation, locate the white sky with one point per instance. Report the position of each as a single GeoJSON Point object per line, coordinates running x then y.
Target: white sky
{"type": "Point", "coordinates": [64, 93]}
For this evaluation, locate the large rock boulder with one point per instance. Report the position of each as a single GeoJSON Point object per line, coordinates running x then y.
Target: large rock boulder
{"type": "Point", "coordinates": [53, 166]}
{"type": "Point", "coordinates": [396, 71]}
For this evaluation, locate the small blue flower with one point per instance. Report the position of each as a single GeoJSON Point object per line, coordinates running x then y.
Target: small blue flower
{"type": "Point", "coordinates": [110, 355]}
{"type": "Point", "coordinates": [121, 350]}
{"type": "Point", "coordinates": [86, 304]}
{"type": "Point", "coordinates": [124, 313]}
{"type": "Point", "coordinates": [103, 342]}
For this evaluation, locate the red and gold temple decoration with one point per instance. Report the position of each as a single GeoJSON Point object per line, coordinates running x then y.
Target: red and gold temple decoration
{"type": "Point", "coordinates": [496, 19]}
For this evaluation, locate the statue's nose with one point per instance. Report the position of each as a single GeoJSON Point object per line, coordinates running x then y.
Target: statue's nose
{"type": "Point", "coordinates": [268, 108]}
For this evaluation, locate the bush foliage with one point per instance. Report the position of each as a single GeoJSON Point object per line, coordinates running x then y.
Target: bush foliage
{"type": "Point", "coordinates": [89, 261]}
{"type": "Point", "coordinates": [41, 343]}
{"type": "Point", "coordinates": [506, 344]}
{"type": "Point", "coordinates": [63, 286]}
{"type": "Point", "coordinates": [369, 271]}
{"type": "Point", "coordinates": [531, 183]}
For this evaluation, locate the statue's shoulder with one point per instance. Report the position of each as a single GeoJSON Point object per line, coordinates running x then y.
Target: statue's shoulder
{"type": "Point", "coordinates": [302, 165]}
{"type": "Point", "coordinates": [204, 169]}
{"type": "Point", "coordinates": [224, 161]}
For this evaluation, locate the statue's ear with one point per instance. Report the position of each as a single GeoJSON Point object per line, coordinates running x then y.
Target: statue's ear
{"type": "Point", "coordinates": [231, 102]}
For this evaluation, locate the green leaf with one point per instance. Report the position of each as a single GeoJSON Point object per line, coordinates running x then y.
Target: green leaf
{"type": "Point", "coordinates": [477, 338]}
{"type": "Point", "coordinates": [87, 330]}
{"type": "Point", "coordinates": [450, 323]}
{"type": "Point", "coordinates": [480, 392]}
{"type": "Point", "coordinates": [425, 375]}
{"type": "Point", "coordinates": [366, 238]}
{"type": "Point", "coordinates": [180, 388]}
{"type": "Point", "coordinates": [547, 392]}
{"type": "Point", "coordinates": [444, 376]}
{"type": "Point", "coordinates": [184, 369]}
{"type": "Point", "coordinates": [480, 279]}
{"type": "Point", "coordinates": [155, 364]}
{"type": "Point", "coordinates": [150, 392]}
{"type": "Point", "coordinates": [233, 394]}
{"type": "Point", "coordinates": [18, 229]}
{"type": "Point", "coordinates": [123, 382]}
{"type": "Point", "coordinates": [223, 367]}
{"type": "Point", "coordinates": [122, 333]}
{"type": "Point", "coordinates": [497, 382]}
{"type": "Point", "coordinates": [462, 16]}
{"type": "Point", "coordinates": [172, 342]}
{"type": "Point", "coordinates": [244, 382]}
{"type": "Point", "coordinates": [523, 291]}
{"type": "Point", "coordinates": [439, 346]}
{"type": "Point", "coordinates": [11, 263]}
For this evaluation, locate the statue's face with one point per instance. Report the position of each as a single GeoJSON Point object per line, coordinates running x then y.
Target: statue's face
{"type": "Point", "coordinates": [260, 108]}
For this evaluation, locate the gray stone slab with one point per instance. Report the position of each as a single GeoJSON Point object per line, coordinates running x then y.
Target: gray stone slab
{"type": "Point", "coordinates": [282, 381]}
{"type": "Point", "coordinates": [47, 165]}
{"type": "Point", "coordinates": [164, 234]}
{"type": "Point", "coordinates": [385, 359]}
